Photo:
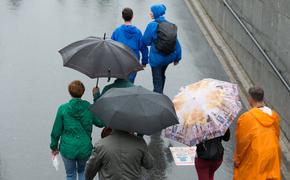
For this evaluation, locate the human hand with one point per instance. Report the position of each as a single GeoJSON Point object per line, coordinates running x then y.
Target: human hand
{"type": "Point", "coordinates": [151, 15]}
{"type": "Point", "coordinates": [95, 90]}
{"type": "Point", "coordinates": [236, 165]}
{"type": "Point", "coordinates": [54, 152]}
{"type": "Point", "coordinates": [176, 63]}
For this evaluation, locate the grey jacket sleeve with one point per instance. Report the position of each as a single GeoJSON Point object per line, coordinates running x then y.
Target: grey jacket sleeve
{"type": "Point", "coordinates": [94, 163]}
{"type": "Point", "coordinates": [147, 160]}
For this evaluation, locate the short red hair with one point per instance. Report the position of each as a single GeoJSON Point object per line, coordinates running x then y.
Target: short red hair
{"type": "Point", "coordinates": [76, 89]}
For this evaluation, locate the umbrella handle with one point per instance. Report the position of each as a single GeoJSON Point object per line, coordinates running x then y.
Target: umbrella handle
{"type": "Point", "coordinates": [97, 84]}
{"type": "Point", "coordinates": [109, 75]}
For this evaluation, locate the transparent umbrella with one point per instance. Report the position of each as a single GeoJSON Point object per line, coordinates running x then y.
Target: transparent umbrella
{"type": "Point", "coordinates": [205, 111]}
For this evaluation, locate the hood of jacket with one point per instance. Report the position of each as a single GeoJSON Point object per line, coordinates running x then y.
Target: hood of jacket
{"type": "Point", "coordinates": [129, 31]}
{"type": "Point", "coordinates": [264, 115]}
{"type": "Point", "coordinates": [77, 108]}
{"type": "Point", "coordinates": [158, 10]}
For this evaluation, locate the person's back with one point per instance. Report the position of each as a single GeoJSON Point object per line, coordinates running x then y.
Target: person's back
{"type": "Point", "coordinates": [131, 36]}
{"type": "Point", "coordinates": [118, 83]}
{"type": "Point", "coordinates": [119, 156]}
{"type": "Point", "coordinates": [261, 143]}
{"type": "Point", "coordinates": [74, 123]}
{"type": "Point", "coordinates": [210, 156]}
{"type": "Point", "coordinates": [150, 38]}
{"type": "Point", "coordinates": [160, 34]}
{"type": "Point", "coordinates": [257, 154]}
{"type": "Point", "coordinates": [71, 132]}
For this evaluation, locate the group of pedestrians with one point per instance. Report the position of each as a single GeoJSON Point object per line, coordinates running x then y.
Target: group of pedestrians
{"type": "Point", "coordinates": [257, 150]}
{"type": "Point", "coordinates": [118, 155]}
{"type": "Point", "coordinates": [160, 35]}
{"type": "Point", "coordinates": [121, 155]}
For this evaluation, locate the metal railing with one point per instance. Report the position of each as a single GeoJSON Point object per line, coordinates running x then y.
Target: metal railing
{"type": "Point", "coordinates": [275, 69]}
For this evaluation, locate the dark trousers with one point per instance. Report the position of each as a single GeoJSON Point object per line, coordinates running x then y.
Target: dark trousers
{"type": "Point", "coordinates": [158, 75]}
{"type": "Point", "coordinates": [132, 77]}
{"type": "Point", "coordinates": [206, 168]}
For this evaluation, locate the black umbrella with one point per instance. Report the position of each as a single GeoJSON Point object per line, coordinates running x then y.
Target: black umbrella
{"type": "Point", "coordinates": [100, 57]}
{"type": "Point", "coordinates": [135, 109]}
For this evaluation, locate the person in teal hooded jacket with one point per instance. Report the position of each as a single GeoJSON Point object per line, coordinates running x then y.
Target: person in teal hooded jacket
{"type": "Point", "coordinates": [73, 126]}
{"type": "Point", "coordinates": [118, 83]}
{"type": "Point", "coordinates": [157, 60]}
{"type": "Point", "coordinates": [130, 35]}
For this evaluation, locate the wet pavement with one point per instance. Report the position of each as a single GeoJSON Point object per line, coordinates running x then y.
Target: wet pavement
{"type": "Point", "coordinates": [34, 83]}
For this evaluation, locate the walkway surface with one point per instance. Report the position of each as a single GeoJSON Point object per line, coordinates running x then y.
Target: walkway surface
{"type": "Point", "coordinates": [34, 83]}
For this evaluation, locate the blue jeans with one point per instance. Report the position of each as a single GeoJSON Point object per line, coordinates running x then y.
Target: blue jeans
{"type": "Point", "coordinates": [158, 75]}
{"type": "Point", "coordinates": [132, 77]}
{"type": "Point", "coordinates": [74, 167]}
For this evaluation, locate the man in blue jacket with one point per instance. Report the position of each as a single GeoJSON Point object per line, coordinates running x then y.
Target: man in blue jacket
{"type": "Point", "coordinates": [131, 36]}
{"type": "Point", "coordinates": [158, 60]}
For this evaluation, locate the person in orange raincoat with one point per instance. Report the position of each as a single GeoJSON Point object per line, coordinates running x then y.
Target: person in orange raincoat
{"type": "Point", "coordinates": [257, 153]}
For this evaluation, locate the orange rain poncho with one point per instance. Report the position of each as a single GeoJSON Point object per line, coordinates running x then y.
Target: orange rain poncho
{"type": "Point", "coordinates": [257, 153]}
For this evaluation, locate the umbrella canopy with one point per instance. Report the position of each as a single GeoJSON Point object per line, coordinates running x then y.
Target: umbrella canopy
{"type": "Point", "coordinates": [97, 57]}
{"type": "Point", "coordinates": [135, 109]}
{"type": "Point", "coordinates": [205, 111]}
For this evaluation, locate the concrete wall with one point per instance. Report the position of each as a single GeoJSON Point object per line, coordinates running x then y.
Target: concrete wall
{"type": "Point", "coordinates": [269, 21]}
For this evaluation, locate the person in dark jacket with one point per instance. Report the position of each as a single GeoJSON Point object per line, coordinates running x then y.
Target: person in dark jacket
{"type": "Point", "coordinates": [131, 36]}
{"type": "Point", "coordinates": [210, 156]}
{"type": "Point", "coordinates": [119, 156]}
{"type": "Point", "coordinates": [157, 60]}
{"type": "Point", "coordinates": [73, 126]}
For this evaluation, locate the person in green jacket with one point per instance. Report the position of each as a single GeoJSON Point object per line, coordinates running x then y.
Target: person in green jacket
{"type": "Point", "coordinates": [73, 127]}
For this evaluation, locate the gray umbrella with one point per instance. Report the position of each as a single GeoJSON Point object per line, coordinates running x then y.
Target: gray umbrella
{"type": "Point", "coordinates": [97, 57]}
{"type": "Point", "coordinates": [135, 109]}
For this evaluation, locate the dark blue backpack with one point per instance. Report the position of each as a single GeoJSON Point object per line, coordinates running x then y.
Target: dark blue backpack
{"type": "Point", "coordinates": [166, 37]}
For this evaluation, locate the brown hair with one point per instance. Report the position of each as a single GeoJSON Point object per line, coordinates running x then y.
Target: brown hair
{"type": "Point", "coordinates": [256, 93]}
{"type": "Point", "coordinates": [127, 14]}
{"type": "Point", "coordinates": [76, 89]}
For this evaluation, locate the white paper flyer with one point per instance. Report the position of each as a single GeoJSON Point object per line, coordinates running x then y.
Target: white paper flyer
{"type": "Point", "coordinates": [183, 156]}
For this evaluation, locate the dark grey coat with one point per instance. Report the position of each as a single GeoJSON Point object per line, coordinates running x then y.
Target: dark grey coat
{"type": "Point", "coordinates": [119, 156]}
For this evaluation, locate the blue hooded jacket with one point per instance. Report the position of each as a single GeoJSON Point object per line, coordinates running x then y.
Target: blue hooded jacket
{"type": "Point", "coordinates": [131, 36]}
{"type": "Point", "coordinates": [150, 35]}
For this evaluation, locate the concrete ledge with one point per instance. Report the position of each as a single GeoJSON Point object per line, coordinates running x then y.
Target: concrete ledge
{"type": "Point", "coordinates": [223, 52]}
{"type": "Point", "coordinates": [233, 68]}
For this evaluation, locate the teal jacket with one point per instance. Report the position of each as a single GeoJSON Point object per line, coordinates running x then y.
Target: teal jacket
{"type": "Point", "coordinates": [73, 126]}
{"type": "Point", "coordinates": [118, 83]}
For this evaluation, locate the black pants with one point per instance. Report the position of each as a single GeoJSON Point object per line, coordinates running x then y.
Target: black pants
{"type": "Point", "coordinates": [158, 75]}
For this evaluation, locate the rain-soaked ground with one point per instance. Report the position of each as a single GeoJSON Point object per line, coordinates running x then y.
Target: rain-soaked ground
{"type": "Point", "coordinates": [34, 83]}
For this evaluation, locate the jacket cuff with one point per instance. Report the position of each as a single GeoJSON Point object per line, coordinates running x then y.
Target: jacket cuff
{"type": "Point", "coordinates": [96, 96]}
{"type": "Point", "coordinates": [53, 147]}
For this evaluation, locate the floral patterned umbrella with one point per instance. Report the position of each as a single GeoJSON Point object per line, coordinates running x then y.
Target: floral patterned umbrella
{"type": "Point", "coordinates": [205, 110]}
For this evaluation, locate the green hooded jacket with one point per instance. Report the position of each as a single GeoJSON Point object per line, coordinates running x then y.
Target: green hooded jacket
{"type": "Point", "coordinates": [73, 125]}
